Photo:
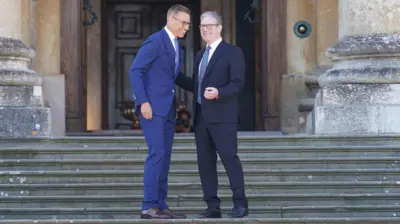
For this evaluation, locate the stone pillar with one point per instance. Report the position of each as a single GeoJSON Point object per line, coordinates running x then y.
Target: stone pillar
{"type": "Point", "coordinates": [326, 29]}
{"type": "Point", "coordinates": [360, 95]}
{"type": "Point", "coordinates": [47, 29]}
{"type": "Point", "coordinates": [46, 14]}
{"type": "Point", "coordinates": [22, 114]}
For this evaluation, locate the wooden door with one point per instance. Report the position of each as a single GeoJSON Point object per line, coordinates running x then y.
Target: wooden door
{"type": "Point", "coordinates": [129, 24]}
{"type": "Point", "coordinates": [72, 63]}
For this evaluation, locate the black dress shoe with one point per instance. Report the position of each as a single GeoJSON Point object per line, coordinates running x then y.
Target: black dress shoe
{"type": "Point", "coordinates": [239, 212]}
{"type": "Point", "coordinates": [210, 213]}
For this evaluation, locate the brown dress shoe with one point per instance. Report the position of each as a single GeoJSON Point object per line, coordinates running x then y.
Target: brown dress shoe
{"type": "Point", "coordinates": [153, 213]}
{"type": "Point", "coordinates": [173, 215]}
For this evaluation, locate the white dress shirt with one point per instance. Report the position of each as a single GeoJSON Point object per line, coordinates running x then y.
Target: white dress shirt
{"type": "Point", "coordinates": [172, 37]}
{"type": "Point", "coordinates": [213, 46]}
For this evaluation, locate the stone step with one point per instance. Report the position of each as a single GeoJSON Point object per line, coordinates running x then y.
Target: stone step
{"type": "Point", "coordinates": [252, 138]}
{"type": "Point", "coordinates": [176, 176]}
{"type": "Point", "coordinates": [186, 151]}
{"type": "Point", "coordinates": [215, 221]}
{"type": "Point", "coordinates": [55, 213]}
{"type": "Point", "coordinates": [350, 187]}
{"type": "Point", "coordinates": [191, 163]}
{"type": "Point", "coordinates": [196, 200]}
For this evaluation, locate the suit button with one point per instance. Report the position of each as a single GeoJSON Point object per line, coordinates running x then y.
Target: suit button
{"type": "Point", "coordinates": [173, 91]}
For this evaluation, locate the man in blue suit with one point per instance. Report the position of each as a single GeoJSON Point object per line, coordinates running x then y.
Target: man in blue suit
{"type": "Point", "coordinates": [152, 75]}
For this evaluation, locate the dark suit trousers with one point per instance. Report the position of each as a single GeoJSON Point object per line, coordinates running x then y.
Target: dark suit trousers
{"type": "Point", "coordinates": [222, 138]}
{"type": "Point", "coordinates": [159, 135]}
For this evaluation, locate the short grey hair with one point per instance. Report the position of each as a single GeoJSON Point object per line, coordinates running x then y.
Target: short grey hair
{"type": "Point", "coordinates": [213, 14]}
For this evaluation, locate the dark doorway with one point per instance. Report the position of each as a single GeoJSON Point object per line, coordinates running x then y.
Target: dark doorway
{"type": "Point", "coordinates": [245, 39]}
{"type": "Point", "coordinates": [127, 24]}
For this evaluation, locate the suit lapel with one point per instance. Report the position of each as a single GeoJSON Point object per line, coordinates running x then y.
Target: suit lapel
{"type": "Point", "coordinates": [214, 58]}
{"type": "Point", "coordinates": [169, 49]}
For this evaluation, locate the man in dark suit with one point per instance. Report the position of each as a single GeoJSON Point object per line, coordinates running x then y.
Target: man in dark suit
{"type": "Point", "coordinates": [218, 79]}
{"type": "Point", "coordinates": [152, 77]}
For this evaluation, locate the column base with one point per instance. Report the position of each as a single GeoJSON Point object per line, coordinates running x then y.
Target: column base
{"type": "Point", "coordinates": [357, 120]}
{"type": "Point", "coordinates": [21, 96]}
{"type": "Point", "coordinates": [25, 122]}
{"type": "Point", "coordinates": [360, 95]}
{"type": "Point", "coordinates": [22, 114]}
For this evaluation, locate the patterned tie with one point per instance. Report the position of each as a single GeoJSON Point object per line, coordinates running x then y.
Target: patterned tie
{"type": "Point", "coordinates": [202, 70]}
{"type": "Point", "coordinates": [176, 54]}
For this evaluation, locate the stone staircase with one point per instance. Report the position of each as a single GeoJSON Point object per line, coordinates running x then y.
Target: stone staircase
{"type": "Point", "coordinates": [289, 179]}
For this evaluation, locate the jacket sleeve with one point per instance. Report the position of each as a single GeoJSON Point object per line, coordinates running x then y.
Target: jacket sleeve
{"type": "Point", "coordinates": [237, 70]}
{"type": "Point", "coordinates": [139, 69]}
{"type": "Point", "coordinates": [185, 82]}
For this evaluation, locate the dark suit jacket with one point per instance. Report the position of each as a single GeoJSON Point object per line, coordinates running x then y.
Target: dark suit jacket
{"type": "Point", "coordinates": [226, 72]}
{"type": "Point", "coordinates": [152, 73]}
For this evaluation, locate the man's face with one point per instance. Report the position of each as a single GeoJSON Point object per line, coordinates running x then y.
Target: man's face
{"type": "Point", "coordinates": [179, 23]}
{"type": "Point", "coordinates": [209, 29]}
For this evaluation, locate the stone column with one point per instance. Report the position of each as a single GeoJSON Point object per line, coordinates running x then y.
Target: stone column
{"type": "Point", "coordinates": [47, 29]}
{"type": "Point", "coordinates": [46, 14]}
{"type": "Point", "coordinates": [360, 95]}
{"type": "Point", "coordinates": [22, 114]}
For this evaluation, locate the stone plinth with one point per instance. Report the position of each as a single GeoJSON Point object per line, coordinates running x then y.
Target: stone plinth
{"type": "Point", "coordinates": [360, 95]}
{"type": "Point", "coordinates": [22, 114]}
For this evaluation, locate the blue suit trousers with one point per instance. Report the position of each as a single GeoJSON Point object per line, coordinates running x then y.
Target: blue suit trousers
{"type": "Point", "coordinates": [159, 135]}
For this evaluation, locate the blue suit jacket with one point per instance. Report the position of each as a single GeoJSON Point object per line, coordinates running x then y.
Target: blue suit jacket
{"type": "Point", "coordinates": [152, 73]}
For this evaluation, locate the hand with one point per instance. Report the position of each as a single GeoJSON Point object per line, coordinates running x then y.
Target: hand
{"type": "Point", "coordinates": [146, 111]}
{"type": "Point", "coordinates": [211, 93]}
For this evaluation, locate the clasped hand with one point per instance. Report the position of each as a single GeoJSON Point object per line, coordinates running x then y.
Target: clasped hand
{"type": "Point", "coordinates": [211, 93]}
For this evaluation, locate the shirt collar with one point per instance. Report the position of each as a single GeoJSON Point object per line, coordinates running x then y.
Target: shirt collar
{"type": "Point", "coordinates": [171, 36]}
{"type": "Point", "coordinates": [215, 44]}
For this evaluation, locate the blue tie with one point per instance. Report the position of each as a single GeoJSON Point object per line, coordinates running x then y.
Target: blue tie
{"type": "Point", "coordinates": [202, 70]}
{"type": "Point", "coordinates": [176, 54]}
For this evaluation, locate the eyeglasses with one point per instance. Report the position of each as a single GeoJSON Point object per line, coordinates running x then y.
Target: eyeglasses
{"type": "Point", "coordinates": [184, 23]}
{"type": "Point", "coordinates": [208, 26]}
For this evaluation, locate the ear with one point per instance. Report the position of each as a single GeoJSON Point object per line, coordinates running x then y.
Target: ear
{"type": "Point", "coordinates": [220, 27]}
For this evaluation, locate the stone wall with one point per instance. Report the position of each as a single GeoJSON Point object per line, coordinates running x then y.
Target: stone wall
{"type": "Point", "coordinates": [306, 60]}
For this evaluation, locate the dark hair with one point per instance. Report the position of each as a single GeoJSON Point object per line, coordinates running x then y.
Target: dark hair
{"type": "Point", "coordinates": [178, 8]}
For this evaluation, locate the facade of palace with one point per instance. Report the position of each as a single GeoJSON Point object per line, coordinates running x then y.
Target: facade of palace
{"type": "Point", "coordinates": [313, 66]}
